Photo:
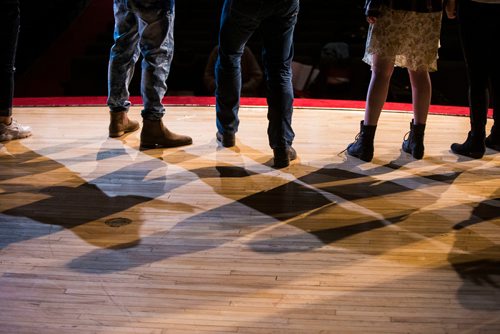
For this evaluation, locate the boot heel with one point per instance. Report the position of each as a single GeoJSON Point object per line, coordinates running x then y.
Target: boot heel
{"type": "Point", "coordinates": [116, 134]}
{"type": "Point", "coordinates": [366, 156]}
{"type": "Point", "coordinates": [362, 147]}
{"type": "Point", "coordinates": [414, 143]}
{"type": "Point", "coordinates": [476, 155]}
{"type": "Point", "coordinates": [418, 153]}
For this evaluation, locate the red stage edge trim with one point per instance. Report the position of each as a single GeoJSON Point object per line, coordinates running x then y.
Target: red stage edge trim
{"type": "Point", "coordinates": [248, 101]}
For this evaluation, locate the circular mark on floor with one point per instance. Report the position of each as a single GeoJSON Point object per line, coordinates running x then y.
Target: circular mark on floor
{"type": "Point", "coordinates": [118, 222]}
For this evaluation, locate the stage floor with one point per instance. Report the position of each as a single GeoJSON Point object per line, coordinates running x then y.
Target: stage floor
{"type": "Point", "coordinates": [99, 237]}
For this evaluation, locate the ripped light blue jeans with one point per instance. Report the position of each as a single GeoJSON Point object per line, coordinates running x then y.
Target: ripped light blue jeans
{"type": "Point", "coordinates": [141, 27]}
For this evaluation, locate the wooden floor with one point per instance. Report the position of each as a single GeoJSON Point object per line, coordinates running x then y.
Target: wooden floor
{"type": "Point", "coordinates": [99, 237]}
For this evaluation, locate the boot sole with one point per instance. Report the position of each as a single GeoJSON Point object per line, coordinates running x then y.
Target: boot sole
{"type": "Point", "coordinates": [473, 155]}
{"type": "Point", "coordinates": [226, 140]}
{"type": "Point", "coordinates": [416, 155]}
{"type": "Point", "coordinates": [143, 147]}
{"type": "Point", "coordinates": [117, 134]}
{"type": "Point", "coordinates": [476, 155]}
{"type": "Point", "coordinates": [12, 137]}
{"type": "Point", "coordinates": [493, 147]}
{"type": "Point", "coordinates": [281, 164]}
{"type": "Point", "coordinates": [364, 157]}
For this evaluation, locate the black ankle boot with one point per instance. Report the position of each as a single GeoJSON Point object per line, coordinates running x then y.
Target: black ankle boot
{"type": "Point", "coordinates": [283, 156]}
{"type": "Point", "coordinates": [362, 147]}
{"type": "Point", "coordinates": [414, 144]}
{"type": "Point", "coordinates": [493, 140]}
{"type": "Point", "coordinates": [473, 147]}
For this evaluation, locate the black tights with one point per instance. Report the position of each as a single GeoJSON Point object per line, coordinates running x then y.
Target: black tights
{"type": "Point", "coordinates": [480, 36]}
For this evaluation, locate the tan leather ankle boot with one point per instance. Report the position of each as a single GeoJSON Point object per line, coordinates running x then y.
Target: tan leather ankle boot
{"type": "Point", "coordinates": [120, 124]}
{"type": "Point", "coordinates": [154, 135]}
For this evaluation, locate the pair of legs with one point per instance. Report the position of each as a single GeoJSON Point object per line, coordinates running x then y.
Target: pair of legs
{"type": "Point", "coordinates": [378, 89]}
{"type": "Point", "coordinates": [479, 32]}
{"type": "Point", "coordinates": [407, 39]}
{"type": "Point", "coordinates": [240, 19]}
{"type": "Point", "coordinates": [382, 69]}
{"type": "Point", "coordinates": [142, 28]}
{"type": "Point", "coordinates": [9, 32]}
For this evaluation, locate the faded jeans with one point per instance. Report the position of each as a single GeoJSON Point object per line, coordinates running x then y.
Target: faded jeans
{"type": "Point", "coordinates": [240, 19]}
{"type": "Point", "coordinates": [141, 27]}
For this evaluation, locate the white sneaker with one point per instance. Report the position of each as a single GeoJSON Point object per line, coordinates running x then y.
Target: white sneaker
{"type": "Point", "coordinates": [14, 131]}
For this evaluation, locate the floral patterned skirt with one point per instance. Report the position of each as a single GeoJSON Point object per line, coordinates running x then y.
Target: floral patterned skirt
{"type": "Point", "coordinates": [410, 39]}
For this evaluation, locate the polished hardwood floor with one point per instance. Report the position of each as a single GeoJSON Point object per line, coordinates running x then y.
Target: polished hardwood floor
{"type": "Point", "coordinates": [99, 237]}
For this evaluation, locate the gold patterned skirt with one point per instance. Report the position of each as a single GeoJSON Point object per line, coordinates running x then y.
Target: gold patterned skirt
{"type": "Point", "coordinates": [410, 39]}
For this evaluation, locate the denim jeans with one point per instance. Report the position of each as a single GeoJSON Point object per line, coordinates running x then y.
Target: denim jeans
{"type": "Point", "coordinates": [141, 27]}
{"type": "Point", "coordinates": [9, 32]}
{"type": "Point", "coordinates": [240, 19]}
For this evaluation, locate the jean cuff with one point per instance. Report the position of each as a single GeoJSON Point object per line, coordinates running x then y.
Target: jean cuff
{"type": "Point", "coordinates": [6, 112]}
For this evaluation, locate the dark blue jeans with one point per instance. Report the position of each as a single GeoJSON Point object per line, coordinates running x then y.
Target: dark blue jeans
{"type": "Point", "coordinates": [240, 19]}
{"type": "Point", "coordinates": [141, 27]}
{"type": "Point", "coordinates": [9, 32]}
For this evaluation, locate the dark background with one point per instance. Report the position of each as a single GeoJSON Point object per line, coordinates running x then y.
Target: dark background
{"type": "Point", "coordinates": [64, 49]}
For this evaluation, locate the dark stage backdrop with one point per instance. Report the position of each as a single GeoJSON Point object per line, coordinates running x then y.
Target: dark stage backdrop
{"type": "Point", "coordinates": [64, 47]}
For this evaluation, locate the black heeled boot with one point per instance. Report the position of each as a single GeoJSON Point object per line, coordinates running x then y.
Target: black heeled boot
{"type": "Point", "coordinates": [493, 140]}
{"type": "Point", "coordinates": [362, 147]}
{"type": "Point", "coordinates": [474, 145]}
{"type": "Point", "coordinates": [414, 143]}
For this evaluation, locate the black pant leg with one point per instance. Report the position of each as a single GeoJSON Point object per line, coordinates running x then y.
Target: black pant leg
{"type": "Point", "coordinates": [9, 32]}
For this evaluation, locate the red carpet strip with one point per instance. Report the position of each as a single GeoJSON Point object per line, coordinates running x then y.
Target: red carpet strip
{"type": "Point", "coordinates": [249, 101]}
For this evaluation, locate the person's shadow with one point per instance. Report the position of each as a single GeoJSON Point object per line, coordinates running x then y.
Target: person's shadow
{"type": "Point", "coordinates": [257, 200]}
{"type": "Point", "coordinates": [480, 272]}
{"type": "Point", "coordinates": [104, 202]}
{"type": "Point", "coordinates": [476, 258]}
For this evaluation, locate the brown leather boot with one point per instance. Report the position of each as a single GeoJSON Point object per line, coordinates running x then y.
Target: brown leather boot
{"type": "Point", "coordinates": [155, 135]}
{"type": "Point", "coordinates": [120, 124]}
